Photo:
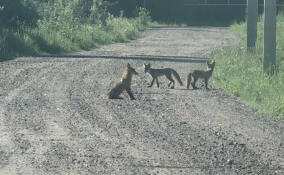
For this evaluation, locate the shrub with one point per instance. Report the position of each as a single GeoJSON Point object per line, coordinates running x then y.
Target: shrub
{"type": "Point", "coordinates": [63, 26]}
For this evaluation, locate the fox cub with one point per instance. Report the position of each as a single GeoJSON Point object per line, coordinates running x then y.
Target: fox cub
{"type": "Point", "coordinates": [155, 73]}
{"type": "Point", "coordinates": [200, 74]}
{"type": "Point", "coordinates": [124, 84]}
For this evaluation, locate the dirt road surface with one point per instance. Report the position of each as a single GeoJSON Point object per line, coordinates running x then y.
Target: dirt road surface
{"type": "Point", "coordinates": [52, 120]}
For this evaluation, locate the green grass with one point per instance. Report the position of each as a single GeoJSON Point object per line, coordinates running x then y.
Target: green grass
{"type": "Point", "coordinates": [240, 72]}
{"type": "Point", "coordinates": [57, 35]}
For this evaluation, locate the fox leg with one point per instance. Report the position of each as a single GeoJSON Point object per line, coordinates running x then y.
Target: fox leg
{"type": "Point", "coordinates": [171, 81]}
{"type": "Point", "coordinates": [157, 82]}
{"type": "Point", "coordinates": [193, 83]}
{"type": "Point", "coordinates": [128, 90]}
{"type": "Point", "coordinates": [206, 83]}
{"type": "Point", "coordinates": [152, 83]}
{"type": "Point", "coordinates": [173, 86]}
{"type": "Point", "coordinates": [188, 80]}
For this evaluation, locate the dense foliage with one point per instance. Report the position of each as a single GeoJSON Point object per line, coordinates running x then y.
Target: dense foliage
{"type": "Point", "coordinates": [192, 12]}
{"type": "Point", "coordinates": [51, 26]}
{"type": "Point", "coordinates": [184, 11]}
{"type": "Point", "coordinates": [27, 12]}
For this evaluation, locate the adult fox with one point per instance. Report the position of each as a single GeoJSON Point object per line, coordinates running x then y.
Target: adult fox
{"type": "Point", "coordinates": [168, 72]}
{"type": "Point", "coordinates": [124, 84]}
{"type": "Point", "coordinates": [203, 74]}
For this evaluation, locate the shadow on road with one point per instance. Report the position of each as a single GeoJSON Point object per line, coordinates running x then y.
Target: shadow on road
{"type": "Point", "coordinates": [184, 59]}
{"type": "Point", "coordinates": [191, 28]}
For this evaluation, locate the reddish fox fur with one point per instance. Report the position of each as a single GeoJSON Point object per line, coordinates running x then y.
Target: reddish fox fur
{"type": "Point", "coordinates": [200, 74]}
{"type": "Point", "coordinates": [168, 72]}
{"type": "Point", "coordinates": [124, 84]}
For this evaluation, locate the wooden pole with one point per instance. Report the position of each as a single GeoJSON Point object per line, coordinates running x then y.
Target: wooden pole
{"type": "Point", "coordinates": [269, 45]}
{"type": "Point", "coordinates": [252, 14]}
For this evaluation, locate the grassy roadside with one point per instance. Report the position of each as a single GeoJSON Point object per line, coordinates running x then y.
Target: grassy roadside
{"type": "Point", "coordinates": [240, 72]}
{"type": "Point", "coordinates": [58, 34]}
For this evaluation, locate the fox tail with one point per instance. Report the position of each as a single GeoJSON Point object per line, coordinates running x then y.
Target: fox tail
{"type": "Point", "coordinates": [176, 75]}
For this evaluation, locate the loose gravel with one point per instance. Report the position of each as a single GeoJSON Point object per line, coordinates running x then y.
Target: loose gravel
{"type": "Point", "coordinates": [53, 121]}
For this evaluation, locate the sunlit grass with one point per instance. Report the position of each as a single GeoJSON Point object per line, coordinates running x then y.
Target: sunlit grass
{"type": "Point", "coordinates": [240, 72]}
{"type": "Point", "coordinates": [60, 35]}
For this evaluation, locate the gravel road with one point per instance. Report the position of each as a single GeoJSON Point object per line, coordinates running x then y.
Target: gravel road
{"type": "Point", "coordinates": [52, 120]}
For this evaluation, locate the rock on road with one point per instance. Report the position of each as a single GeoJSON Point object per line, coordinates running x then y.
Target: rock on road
{"type": "Point", "coordinates": [52, 120]}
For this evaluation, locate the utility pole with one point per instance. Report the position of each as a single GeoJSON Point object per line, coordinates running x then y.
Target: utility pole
{"type": "Point", "coordinates": [269, 45]}
{"type": "Point", "coordinates": [252, 14]}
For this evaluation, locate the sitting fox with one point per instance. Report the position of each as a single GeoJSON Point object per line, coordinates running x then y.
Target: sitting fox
{"type": "Point", "coordinates": [155, 73]}
{"type": "Point", "coordinates": [203, 74]}
{"type": "Point", "coordinates": [124, 84]}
